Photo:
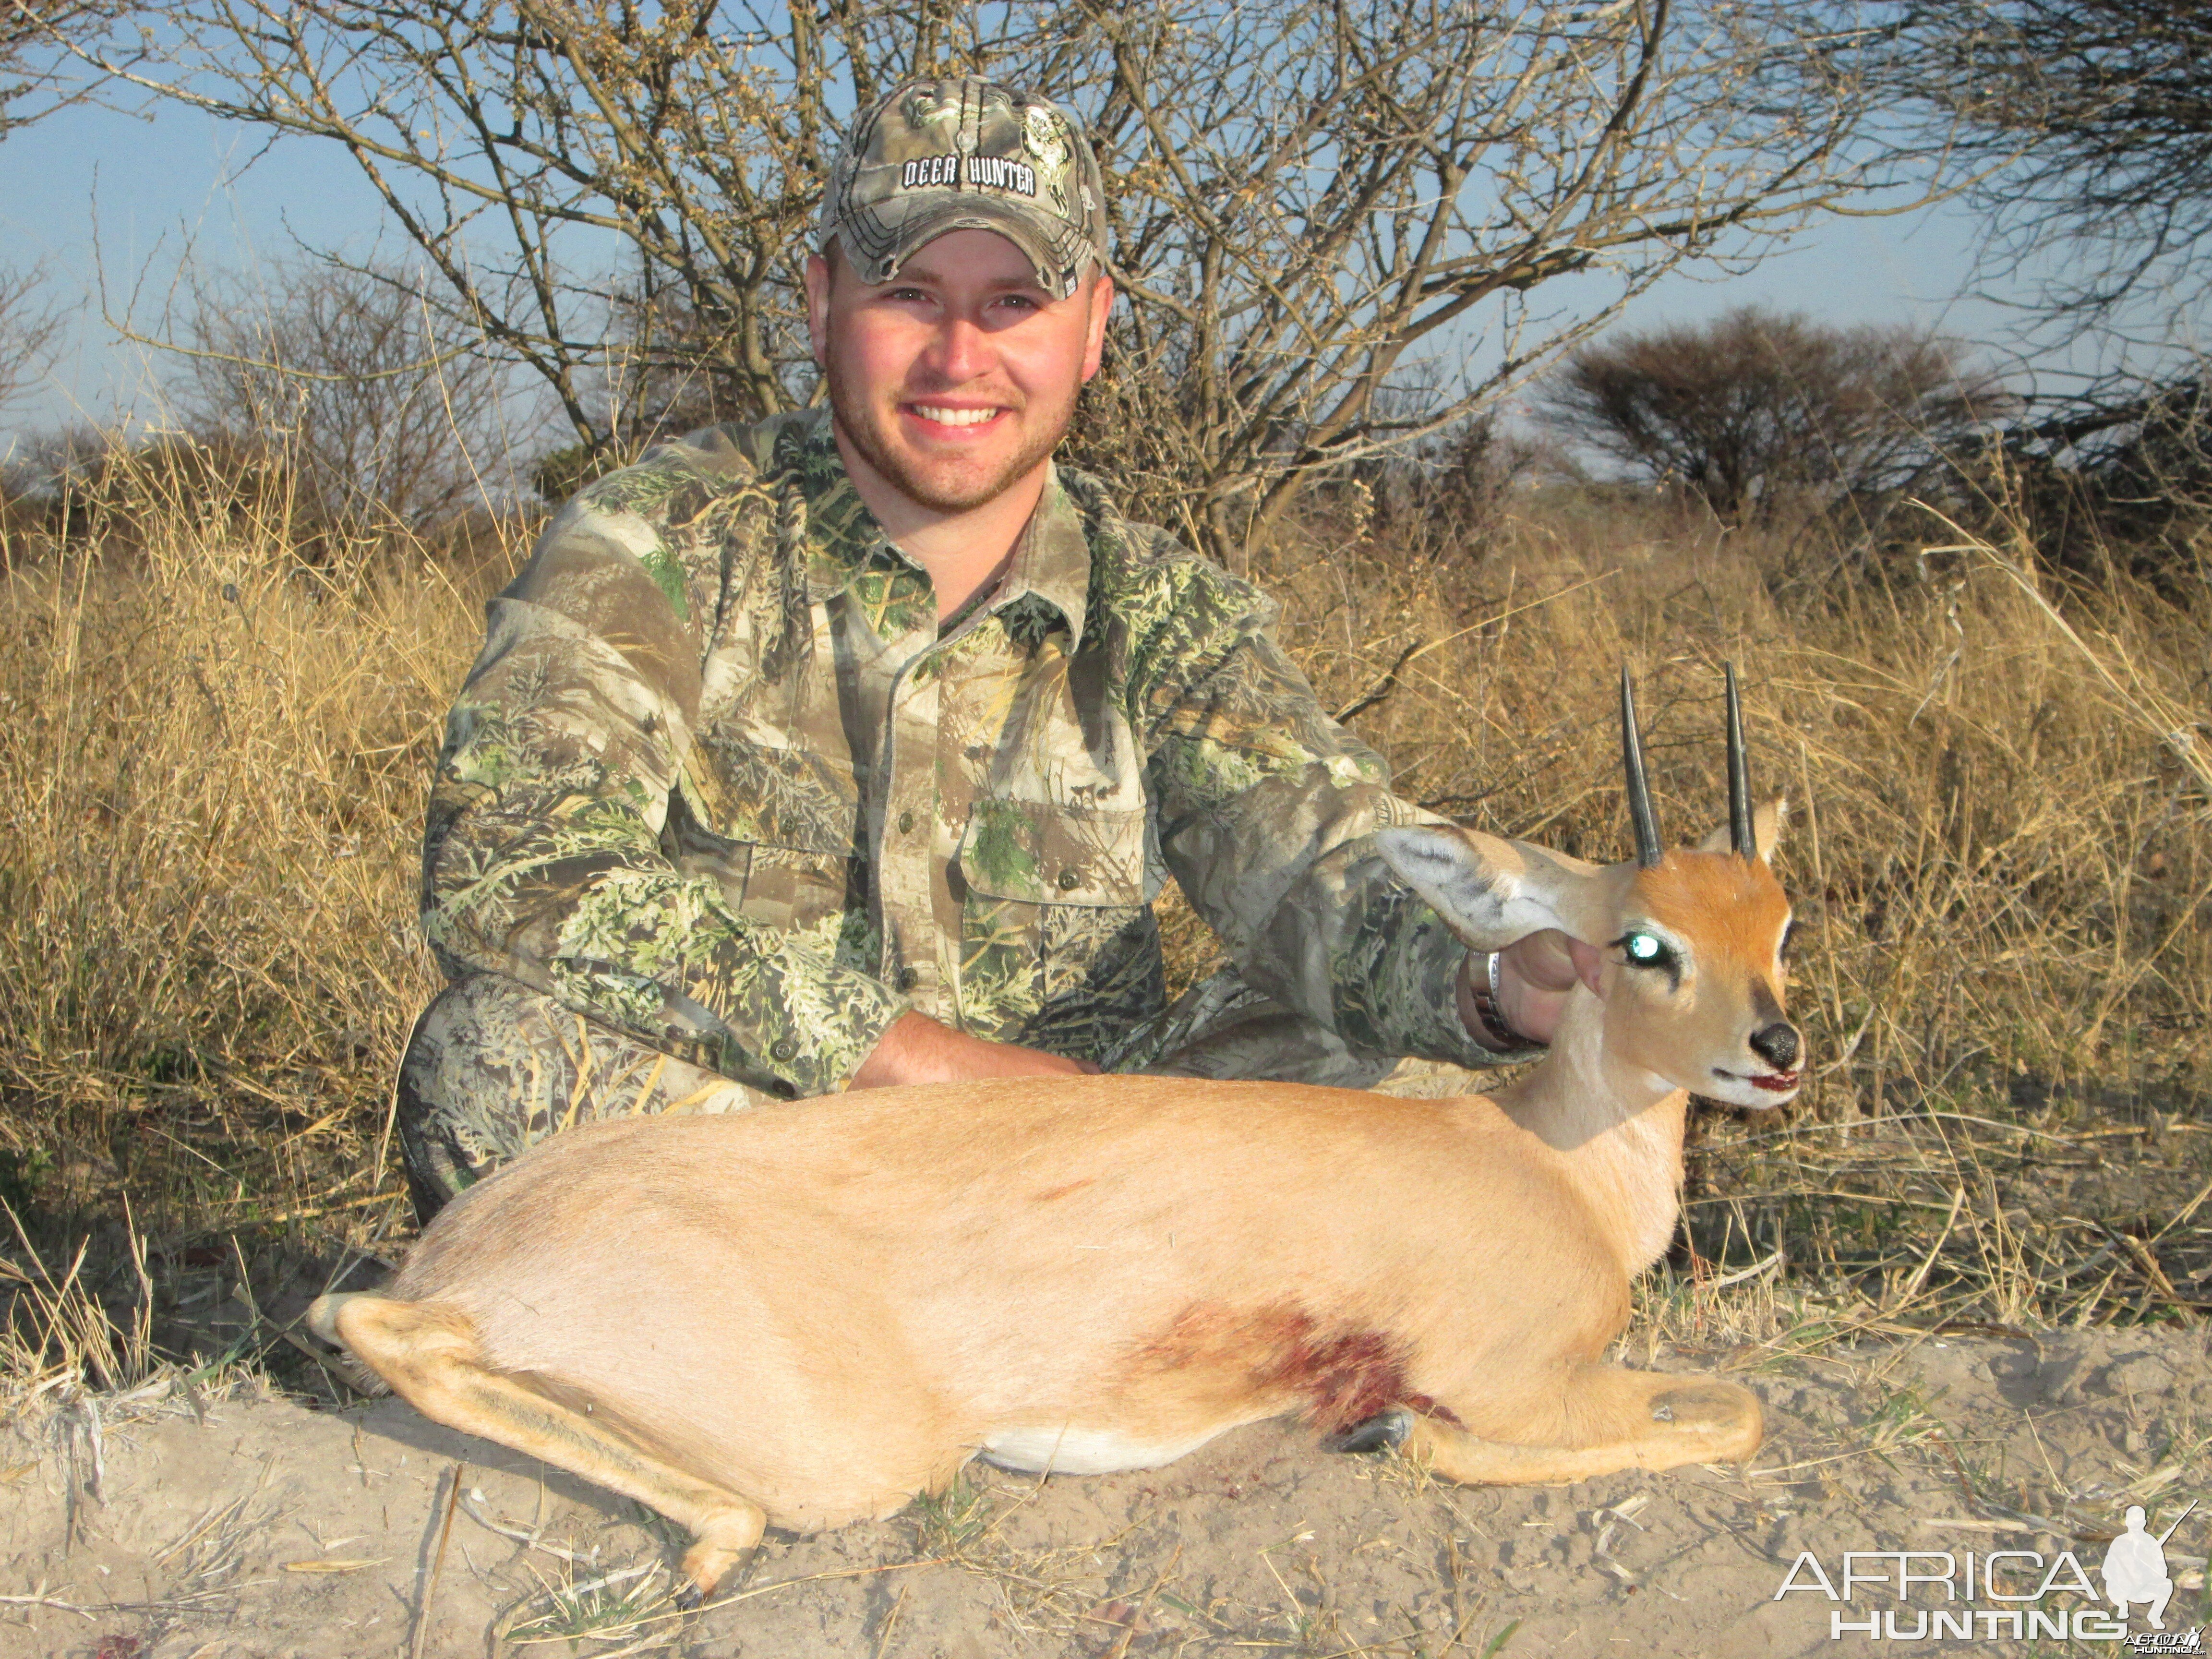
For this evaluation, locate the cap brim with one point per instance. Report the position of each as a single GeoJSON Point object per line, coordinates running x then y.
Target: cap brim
{"type": "Point", "coordinates": [903, 227]}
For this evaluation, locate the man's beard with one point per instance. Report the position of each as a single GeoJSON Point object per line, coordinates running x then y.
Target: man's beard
{"type": "Point", "coordinates": [857, 417]}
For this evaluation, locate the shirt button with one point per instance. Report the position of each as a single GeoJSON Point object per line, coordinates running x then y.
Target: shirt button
{"type": "Point", "coordinates": [1070, 880]}
{"type": "Point", "coordinates": [786, 1049]}
{"type": "Point", "coordinates": [908, 978]}
{"type": "Point", "coordinates": [906, 823]}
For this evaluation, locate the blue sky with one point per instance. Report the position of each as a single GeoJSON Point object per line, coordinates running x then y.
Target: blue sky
{"type": "Point", "coordinates": [106, 198]}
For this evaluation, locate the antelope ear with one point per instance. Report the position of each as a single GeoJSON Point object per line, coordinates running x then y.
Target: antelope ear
{"type": "Point", "coordinates": [1766, 820]}
{"type": "Point", "coordinates": [1491, 892]}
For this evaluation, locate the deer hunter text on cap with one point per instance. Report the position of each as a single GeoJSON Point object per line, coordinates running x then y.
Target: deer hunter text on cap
{"type": "Point", "coordinates": [967, 155]}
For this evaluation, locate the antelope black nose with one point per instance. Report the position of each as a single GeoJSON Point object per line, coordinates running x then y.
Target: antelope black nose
{"type": "Point", "coordinates": [1777, 1044]}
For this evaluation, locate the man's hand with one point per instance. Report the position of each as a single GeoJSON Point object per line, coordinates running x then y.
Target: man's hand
{"type": "Point", "coordinates": [917, 1049]}
{"type": "Point", "coordinates": [1534, 977]}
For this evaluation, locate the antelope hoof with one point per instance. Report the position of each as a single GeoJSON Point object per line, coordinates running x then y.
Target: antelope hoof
{"type": "Point", "coordinates": [1721, 1419]}
{"type": "Point", "coordinates": [704, 1564]}
{"type": "Point", "coordinates": [715, 1550]}
{"type": "Point", "coordinates": [1706, 1406]}
{"type": "Point", "coordinates": [1384, 1431]}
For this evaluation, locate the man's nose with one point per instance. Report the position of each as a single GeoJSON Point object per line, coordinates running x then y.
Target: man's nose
{"type": "Point", "coordinates": [961, 351]}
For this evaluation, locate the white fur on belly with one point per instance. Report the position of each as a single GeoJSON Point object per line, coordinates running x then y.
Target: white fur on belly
{"type": "Point", "coordinates": [1072, 1450]}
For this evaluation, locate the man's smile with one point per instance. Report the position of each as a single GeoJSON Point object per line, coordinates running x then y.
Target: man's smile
{"type": "Point", "coordinates": [952, 415]}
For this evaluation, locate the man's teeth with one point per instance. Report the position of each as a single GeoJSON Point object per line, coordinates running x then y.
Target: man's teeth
{"type": "Point", "coordinates": [955, 416]}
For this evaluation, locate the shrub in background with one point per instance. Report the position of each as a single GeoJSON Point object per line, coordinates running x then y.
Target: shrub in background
{"type": "Point", "coordinates": [1756, 413]}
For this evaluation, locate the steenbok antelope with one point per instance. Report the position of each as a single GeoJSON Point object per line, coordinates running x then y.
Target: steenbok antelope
{"type": "Point", "coordinates": [807, 1316]}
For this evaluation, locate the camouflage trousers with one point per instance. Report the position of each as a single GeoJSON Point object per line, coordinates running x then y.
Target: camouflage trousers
{"type": "Point", "coordinates": [494, 1068]}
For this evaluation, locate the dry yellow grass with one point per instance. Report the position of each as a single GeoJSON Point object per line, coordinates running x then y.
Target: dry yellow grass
{"type": "Point", "coordinates": [212, 765]}
{"type": "Point", "coordinates": [213, 760]}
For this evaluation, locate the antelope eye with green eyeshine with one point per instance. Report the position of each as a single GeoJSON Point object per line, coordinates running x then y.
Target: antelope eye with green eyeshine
{"type": "Point", "coordinates": [1645, 950]}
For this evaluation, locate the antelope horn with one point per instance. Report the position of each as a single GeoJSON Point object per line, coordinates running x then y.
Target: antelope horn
{"type": "Point", "coordinates": [1743, 836]}
{"type": "Point", "coordinates": [1640, 814]}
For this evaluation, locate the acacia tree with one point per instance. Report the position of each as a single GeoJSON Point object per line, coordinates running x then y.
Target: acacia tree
{"type": "Point", "coordinates": [2089, 124]}
{"type": "Point", "coordinates": [1753, 410]}
{"type": "Point", "coordinates": [2088, 127]}
{"type": "Point", "coordinates": [1320, 208]}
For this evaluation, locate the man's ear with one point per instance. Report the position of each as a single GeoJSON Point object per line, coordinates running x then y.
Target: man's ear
{"type": "Point", "coordinates": [1766, 819]}
{"type": "Point", "coordinates": [817, 307]}
{"type": "Point", "coordinates": [1491, 892]}
{"type": "Point", "coordinates": [1102, 303]}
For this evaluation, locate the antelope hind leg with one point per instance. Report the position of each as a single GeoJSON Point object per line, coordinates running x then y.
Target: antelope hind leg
{"type": "Point", "coordinates": [1619, 1419]}
{"type": "Point", "coordinates": [430, 1355]}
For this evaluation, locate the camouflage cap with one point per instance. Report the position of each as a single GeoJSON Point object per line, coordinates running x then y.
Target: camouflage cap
{"type": "Point", "coordinates": [967, 155]}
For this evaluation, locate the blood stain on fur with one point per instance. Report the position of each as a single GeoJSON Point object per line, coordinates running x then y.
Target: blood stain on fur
{"type": "Point", "coordinates": [1336, 1375]}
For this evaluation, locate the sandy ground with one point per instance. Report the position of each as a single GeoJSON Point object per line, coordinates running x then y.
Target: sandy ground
{"type": "Point", "coordinates": [183, 1529]}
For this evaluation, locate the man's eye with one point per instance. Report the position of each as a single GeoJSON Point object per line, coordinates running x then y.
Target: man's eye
{"type": "Point", "coordinates": [1643, 949]}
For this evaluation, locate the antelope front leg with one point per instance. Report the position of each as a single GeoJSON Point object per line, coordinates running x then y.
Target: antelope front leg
{"type": "Point", "coordinates": [1613, 1418]}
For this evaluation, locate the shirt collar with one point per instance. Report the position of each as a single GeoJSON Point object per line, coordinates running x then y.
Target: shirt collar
{"type": "Point", "coordinates": [1052, 559]}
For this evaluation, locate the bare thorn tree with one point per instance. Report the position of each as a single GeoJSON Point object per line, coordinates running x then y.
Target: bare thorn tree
{"type": "Point", "coordinates": [43, 51]}
{"type": "Point", "coordinates": [347, 373]}
{"type": "Point", "coordinates": [1320, 208]}
{"type": "Point", "coordinates": [30, 329]}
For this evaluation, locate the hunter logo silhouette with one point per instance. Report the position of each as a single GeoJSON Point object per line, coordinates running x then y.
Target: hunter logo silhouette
{"type": "Point", "coordinates": [2135, 1567]}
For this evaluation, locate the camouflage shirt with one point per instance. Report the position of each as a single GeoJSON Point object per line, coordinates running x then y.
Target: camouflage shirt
{"type": "Point", "coordinates": [719, 779]}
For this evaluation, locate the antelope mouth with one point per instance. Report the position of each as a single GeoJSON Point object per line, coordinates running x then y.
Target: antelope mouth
{"type": "Point", "coordinates": [1775, 1083]}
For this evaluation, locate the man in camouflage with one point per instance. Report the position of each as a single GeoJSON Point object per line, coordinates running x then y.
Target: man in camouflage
{"type": "Point", "coordinates": [851, 748]}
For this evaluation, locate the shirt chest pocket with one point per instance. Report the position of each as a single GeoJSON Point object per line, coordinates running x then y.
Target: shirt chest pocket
{"type": "Point", "coordinates": [1047, 890]}
{"type": "Point", "coordinates": [783, 816]}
